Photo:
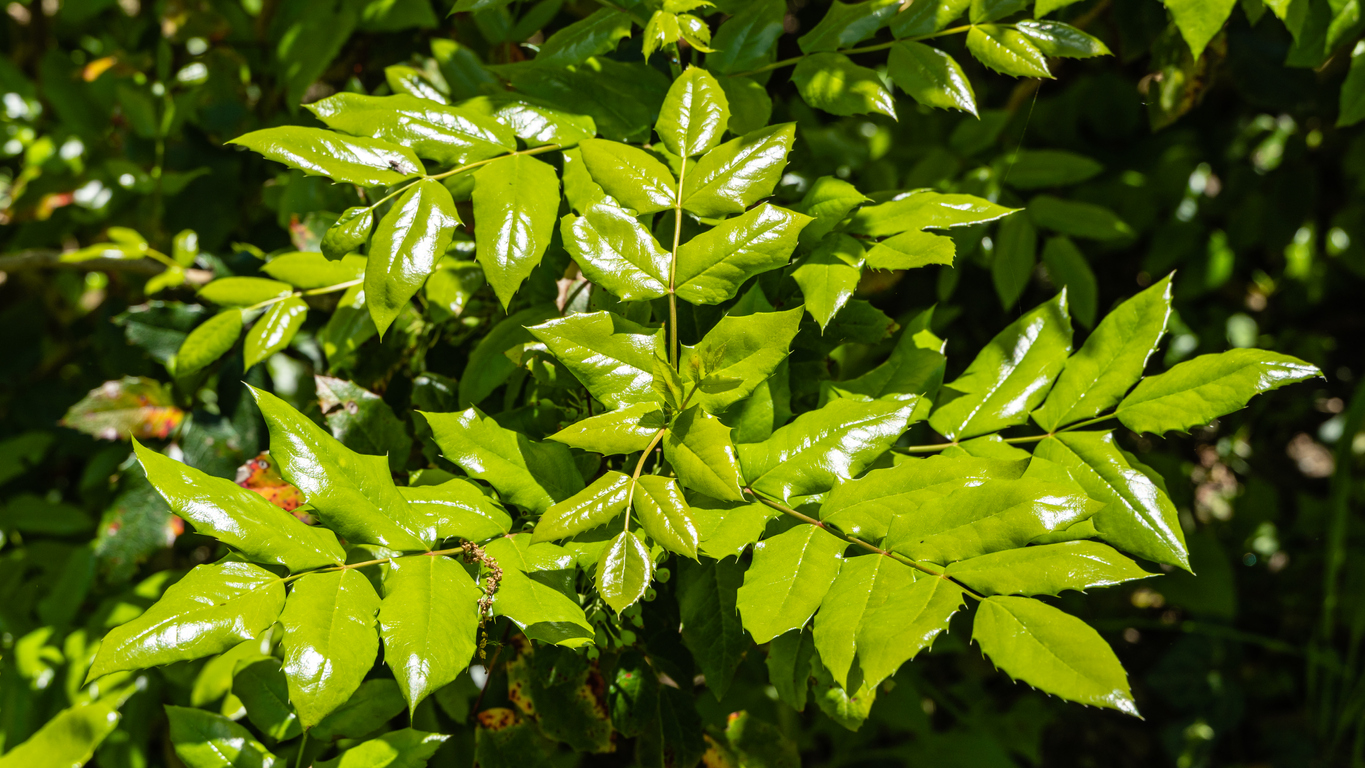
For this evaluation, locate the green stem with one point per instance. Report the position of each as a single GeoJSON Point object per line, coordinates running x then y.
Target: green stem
{"type": "Point", "coordinates": [312, 292]}
{"type": "Point", "coordinates": [350, 566]}
{"type": "Point", "coordinates": [635, 476]}
{"type": "Point", "coordinates": [1029, 439]}
{"type": "Point", "coordinates": [935, 448]}
{"type": "Point", "coordinates": [786, 510]}
{"type": "Point", "coordinates": [470, 167]}
{"type": "Point", "coordinates": [1087, 423]}
{"type": "Point", "coordinates": [303, 745]}
{"type": "Point", "coordinates": [675, 354]}
{"type": "Point", "coordinates": [847, 51]}
{"type": "Point", "coordinates": [156, 255]}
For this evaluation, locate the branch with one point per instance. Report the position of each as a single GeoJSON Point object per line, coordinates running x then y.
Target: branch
{"type": "Point", "coordinates": [45, 258]}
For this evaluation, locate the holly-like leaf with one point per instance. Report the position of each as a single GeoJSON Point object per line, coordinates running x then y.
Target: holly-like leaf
{"type": "Point", "coordinates": [526, 472]}
{"type": "Point", "coordinates": [738, 173]}
{"type": "Point", "coordinates": [516, 200]}
{"type": "Point", "coordinates": [610, 355]}
{"type": "Point", "coordinates": [1010, 377]}
{"type": "Point", "coordinates": [595, 505]}
{"type": "Point", "coordinates": [592, 36]}
{"type": "Point", "coordinates": [832, 82]}
{"type": "Point", "coordinates": [131, 407]}
{"type": "Point", "coordinates": [1067, 268]}
{"type": "Point", "coordinates": [993, 516]}
{"type": "Point", "coordinates": [459, 508]}
{"type": "Point", "coordinates": [847, 24]}
{"type": "Point", "coordinates": [362, 421]}
{"type": "Point", "coordinates": [829, 276]}
{"type": "Point", "coordinates": [275, 329]}
{"type": "Point", "coordinates": [1198, 391]}
{"type": "Point", "coordinates": [1199, 20]}
{"type": "Point", "coordinates": [448, 135]}
{"type": "Point", "coordinates": [789, 577]}
{"type": "Point", "coordinates": [930, 76]}
{"type": "Point", "coordinates": [1052, 651]}
{"type": "Point", "coordinates": [350, 159]}
{"type": "Point", "coordinates": [698, 446]}
{"type": "Point", "coordinates": [330, 640]}
{"type": "Point", "coordinates": [214, 608]}
{"type": "Point", "coordinates": [429, 619]}
{"type": "Point", "coordinates": [863, 585]}
{"type": "Point", "coordinates": [827, 202]}
{"type": "Point", "coordinates": [826, 446]}
{"type": "Point", "coordinates": [405, 748]}
{"type": "Point", "coordinates": [746, 40]}
{"type": "Point", "coordinates": [238, 517]}
{"type": "Point", "coordinates": [354, 493]}
{"type": "Point", "coordinates": [1046, 569]}
{"type": "Point", "coordinates": [903, 625]}
{"type": "Point", "coordinates": [663, 513]}
{"type": "Point", "coordinates": [616, 252]}
{"type": "Point", "coordinates": [541, 611]}
{"type": "Point", "coordinates": [624, 571]}
{"type": "Point", "coordinates": [632, 176]}
{"type": "Point", "coordinates": [707, 595]}
{"type": "Point", "coordinates": [243, 291]}
{"type": "Point", "coordinates": [1057, 39]}
{"type": "Point", "coordinates": [1110, 361]}
{"type": "Point", "coordinates": [349, 234]}
{"type": "Point", "coordinates": [624, 430]}
{"type": "Point", "coordinates": [1007, 51]}
{"type": "Point", "coordinates": [406, 245]}
{"type": "Point", "coordinates": [1138, 516]}
{"type": "Point", "coordinates": [208, 342]}
{"type": "Point", "coordinates": [713, 265]}
{"type": "Point", "coordinates": [789, 663]}
{"type": "Point", "coordinates": [695, 114]}
{"type": "Point", "coordinates": [924, 209]}
{"type": "Point", "coordinates": [928, 17]}
{"type": "Point", "coordinates": [915, 367]}
{"type": "Point", "coordinates": [865, 507]}
{"type": "Point", "coordinates": [748, 349]}
{"type": "Point", "coordinates": [373, 704]}
{"type": "Point", "coordinates": [203, 739]}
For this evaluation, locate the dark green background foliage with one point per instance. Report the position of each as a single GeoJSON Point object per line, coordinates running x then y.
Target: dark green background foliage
{"type": "Point", "coordinates": [1214, 142]}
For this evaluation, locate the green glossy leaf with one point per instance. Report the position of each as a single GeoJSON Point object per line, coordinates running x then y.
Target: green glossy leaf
{"type": "Point", "coordinates": [616, 252]}
{"type": "Point", "coordinates": [749, 348]}
{"type": "Point", "coordinates": [746, 40]}
{"type": "Point", "coordinates": [350, 159]}
{"type": "Point", "coordinates": [536, 124]}
{"type": "Point", "coordinates": [903, 624]}
{"type": "Point", "coordinates": [847, 24]}
{"type": "Point", "coordinates": [707, 593]}
{"type": "Point", "coordinates": [865, 507]}
{"type": "Point", "coordinates": [528, 473]}
{"type": "Point", "coordinates": [406, 748]}
{"type": "Point", "coordinates": [349, 326]}
{"type": "Point", "coordinates": [409, 240]}
{"type": "Point", "coordinates": [624, 571]}
{"type": "Point", "coordinates": [68, 740]}
{"type": "Point", "coordinates": [603, 500]}
{"type": "Point", "coordinates": [372, 705]}
{"type": "Point", "coordinates": [239, 517]}
{"type": "Point", "coordinates": [750, 105]}
{"type": "Point", "coordinates": [850, 709]}
{"type": "Point", "coordinates": [1010, 377]}
{"type": "Point", "coordinates": [330, 641]}
{"type": "Point", "coordinates": [1052, 651]}
{"type": "Point", "coordinates": [203, 739]}
{"type": "Point", "coordinates": [1198, 391]}
{"type": "Point", "coordinates": [992, 516]}
{"type": "Point", "coordinates": [1054, 38]}
{"type": "Point", "coordinates": [790, 575]}
{"type": "Point", "coordinates": [593, 36]}
{"type": "Point", "coordinates": [516, 200]}
{"type": "Point", "coordinates": [624, 430]}
{"type": "Point", "coordinates": [1199, 20]}
{"type": "Point", "coordinates": [349, 234]}
{"type": "Point", "coordinates": [541, 611]}
{"type": "Point", "coordinates": [264, 692]}
{"type": "Point", "coordinates": [930, 76]}
{"type": "Point", "coordinates": [1046, 570]}
{"type": "Point", "coordinates": [713, 265]}
{"type": "Point", "coordinates": [354, 493]}
{"type": "Point", "coordinates": [275, 329]}
{"type": "Point", "coordinates": [610, 355]}
{"type": "Point", "coordinates": [212, 609]}
{"type": "Point", "coordinates": [924, 209]}
{"type": "Point", "coordinates": [911, 250]}
{"type": "Point", "coordinates": [827, 201]}
{"type": "Point", "coordinates": [210, 341]}
{"type": "Point", "coordinates": [243, 291]}
{"type": "Point", "coordinates": [635, 178]}
{"type": "Point", "coordinates": [459, 508]}
{"type": "Point", "coordinates": [429, 620]}
{"type": "Point", "coordinates": [727, 528]}
{"type": "Point", "coordinates": [829, 276]}
{"type": "Point", "coordinates": [448, 135]}
{"type": "Point", "coordinates": [863, 585]}
{"type": "Point", "coordinates": [1007, 51]}
{"type": "Point", "coordinates": [1014, 259]}
{"type": "Point", "coordinates": [915, 367]}
{"type": "Point", "coordinates": [1077, 219]}
{"type": "Point", "coordinates": [789, 662]}
{"type": "Point", "coordinates": [738, 173]}
{"type": "Point", "coordinates": [1110, 361]}
{"type": "Point", "coordinates": [1138, 516]}
{"type": "Point", "coordinates": [698, 446]}
{"type": "Point", "coordinates": [663, 513]}
{"type": "Point", "coordinates": [928, 17]}
{"type": "Point", "coordinates": [832, 82]}
{"type": "Point", "coordinates": [307, 270]}
{"type": "Point", "coordinates": [823, 447]}
{"type": "Point", "coordinates": [695, 114]}
{"type": "Point", "coordinates": [622, 99]}
{"type": "Point", "coordinates": [1067, 268]}
{"type": "Point", "coordinates": [362, 421]}
{"type": "Point", "coordinates": [413, 82]}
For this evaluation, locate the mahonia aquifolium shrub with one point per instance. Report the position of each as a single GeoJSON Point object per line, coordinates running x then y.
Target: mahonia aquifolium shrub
{"type": "Point", "coordinates": [827, 536]}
